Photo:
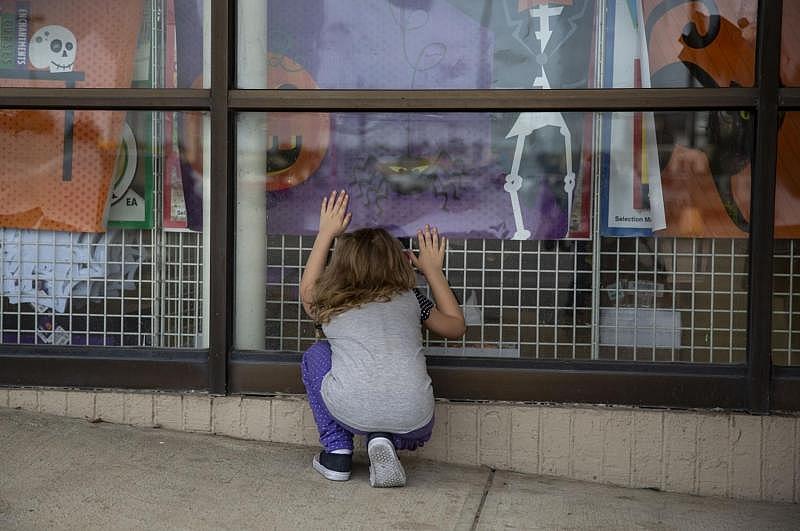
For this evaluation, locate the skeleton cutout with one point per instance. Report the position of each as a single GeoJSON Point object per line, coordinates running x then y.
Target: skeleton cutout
{"type": "Point", "coordinates": [528, 122]}
{"type": "Point", "coordinates": [53, 47]}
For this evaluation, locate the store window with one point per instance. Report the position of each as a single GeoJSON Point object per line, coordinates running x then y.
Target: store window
{"type": "Point", "coordinates": [102, 43]}
{"type": "Point", "coordinates": [573, 235]}
{"type": "Point", "coordinates": [467, 44]}
{"type": "Point", "coordinates": [626, 237]}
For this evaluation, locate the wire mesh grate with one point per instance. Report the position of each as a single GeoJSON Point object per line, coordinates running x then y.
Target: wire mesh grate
{"type": "Point", "coordinates": [182, 290]}
{"type": "Point", "coordinates": [673, 299]}
{"type": "Point", "coordinates": [77, 289]}
{"type": "Point", "coordinates": [520, 299]}
{"type": "Point", "coordinates": [786, 303]}
{"type": "Point", "coordinates": [657, 299]}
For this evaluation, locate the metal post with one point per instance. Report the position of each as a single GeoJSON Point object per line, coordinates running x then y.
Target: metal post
{"type": "Point", "coordinates": [221, 274]}
{"type": "Point", "coordinates": [206, 131]}
{"type": "Point", "coordinates": [762, 207]}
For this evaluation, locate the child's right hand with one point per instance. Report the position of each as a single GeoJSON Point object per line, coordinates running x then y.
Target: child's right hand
{"type": "Point", "coordinates": [446, 318]}
{"type": "Point", "coordinates": [334, 217]}
{"type": "Point", "coordinates": [432, 249]}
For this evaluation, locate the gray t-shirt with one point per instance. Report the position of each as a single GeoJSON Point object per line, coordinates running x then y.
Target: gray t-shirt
{"type": "Point", "coordinates": [378, 380]}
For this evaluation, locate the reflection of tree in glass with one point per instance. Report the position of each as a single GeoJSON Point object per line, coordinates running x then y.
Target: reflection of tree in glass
{"type": "Point", "coordinates": [730, 138]}
{"type": "Point", "coordinates": [408, 175]}
{"type": "Point", "coordinates": [431, 54]}
{"type": "Point", "coordinates": [368, 187]}
{"type": "Point", "coordinates": [282, 47]}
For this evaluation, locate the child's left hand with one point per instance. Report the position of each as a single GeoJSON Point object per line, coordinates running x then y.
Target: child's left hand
{"type": "Point", "coordinates": [334, 217]}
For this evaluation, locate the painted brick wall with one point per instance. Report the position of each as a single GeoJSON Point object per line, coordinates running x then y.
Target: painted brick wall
{"type": "Point", "coordinates": [697, 452]}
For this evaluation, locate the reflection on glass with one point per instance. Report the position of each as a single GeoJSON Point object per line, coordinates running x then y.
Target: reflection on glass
{"type": "Point", "coordinates": [705, 171]}
{"type": "Point", "coordinates": [101, 228]}
{"type": "Point", "coordinates": [101, 43]}
{"type": "Point", "coordinates": [790, 45]}
{"type": "Point", "coordinates": [468, 44]}
{"type": "Point", "coordinates": [787, 185]}
{"type": "Point", "coordinates": [516, 193]}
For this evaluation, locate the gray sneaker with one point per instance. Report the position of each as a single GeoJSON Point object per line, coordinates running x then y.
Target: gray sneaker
{"type": "Point", "coordinates": [385, 469]}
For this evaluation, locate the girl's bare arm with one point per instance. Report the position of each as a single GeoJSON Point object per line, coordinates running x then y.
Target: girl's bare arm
{"type": "Point", "coordinates": [333, 221]}
{"type": "Point", "coordinates": [446, 318]}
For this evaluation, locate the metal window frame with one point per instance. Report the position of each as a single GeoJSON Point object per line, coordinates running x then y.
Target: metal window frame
{"type": "Point", "coordinates": [762, 207]}
{"type": "Point", "coordinates": [220, 369]}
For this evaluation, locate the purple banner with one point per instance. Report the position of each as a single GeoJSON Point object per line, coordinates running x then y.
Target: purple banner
{"type": "Point", "coordinates": [477, 175]}
{"type": "Point", "coordinates": [405, 170]}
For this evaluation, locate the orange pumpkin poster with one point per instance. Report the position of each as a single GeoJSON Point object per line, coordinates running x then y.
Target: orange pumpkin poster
{"type": "Point", "coordinates": [57, 165]}
{"type": "Point", "coordinates": [297, 142]}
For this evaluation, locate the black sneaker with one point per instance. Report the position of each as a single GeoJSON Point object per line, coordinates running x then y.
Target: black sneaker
{"type": "Point", "coordinates": [385, 469]}
{"type": "Point", "coordinates": [335, 467]}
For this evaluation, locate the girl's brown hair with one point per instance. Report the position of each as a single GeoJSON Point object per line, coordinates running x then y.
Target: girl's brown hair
{"type": "Point", "coordinates": [367, 265]}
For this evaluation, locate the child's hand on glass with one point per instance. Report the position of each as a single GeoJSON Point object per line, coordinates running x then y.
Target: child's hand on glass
{"type": "Point", "coordinates": [334, 217]}
{"type": "Point", "coordinates": [432, 249]}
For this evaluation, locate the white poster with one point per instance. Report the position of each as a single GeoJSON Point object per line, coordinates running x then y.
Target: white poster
{"type": "Point", "coordinates": [633, 202]}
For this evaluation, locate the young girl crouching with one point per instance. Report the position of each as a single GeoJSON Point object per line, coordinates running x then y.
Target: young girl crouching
{"type": "Point", "coordinates": [369, 377]}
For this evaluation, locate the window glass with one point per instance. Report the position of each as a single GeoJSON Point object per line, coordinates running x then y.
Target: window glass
{"type": "Point", "coordinates": [790, 45]}
{"type": "Point", "coordinates": [102, 228]}
{"type": "Point", "coordinates": [573, 235]}
{"type": "Point", "coordinates": [786, 302]}
{"type": "Point", "coordinates": [102, 43]}
{"type": "Point", "coordinates": [468, 44]}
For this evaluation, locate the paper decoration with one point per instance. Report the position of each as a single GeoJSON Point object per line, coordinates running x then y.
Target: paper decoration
{"type": "Point", "coordinates": [57, 165]}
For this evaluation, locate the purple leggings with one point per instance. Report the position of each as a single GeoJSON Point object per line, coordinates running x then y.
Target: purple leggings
{"type": "Point", "coordinates": [333, 434]}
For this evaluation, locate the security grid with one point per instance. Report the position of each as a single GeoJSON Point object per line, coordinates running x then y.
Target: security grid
{"type": "Point", "coordinates": [650, 299]}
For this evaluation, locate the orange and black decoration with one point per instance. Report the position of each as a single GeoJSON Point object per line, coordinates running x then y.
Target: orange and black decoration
{"type": "Point", "coordinates": [707, 194]}
{"type": "Point", "coordinates": [57, 165]}
{"type": "Point", "coordinates": [296, 142]}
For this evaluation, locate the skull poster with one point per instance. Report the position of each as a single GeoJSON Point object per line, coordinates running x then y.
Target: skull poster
{"type": "Point", "coordinates": [58, 165]}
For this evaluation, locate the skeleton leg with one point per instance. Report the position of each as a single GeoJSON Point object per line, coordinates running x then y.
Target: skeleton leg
{"type": "Point", "coordinates": [512, 186]}
{"type": "Point", "coordinates": [569, 178]}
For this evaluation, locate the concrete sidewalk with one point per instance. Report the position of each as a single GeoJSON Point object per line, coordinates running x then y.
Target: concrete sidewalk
{"type": "Point", "coordinates": [63, 473]}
